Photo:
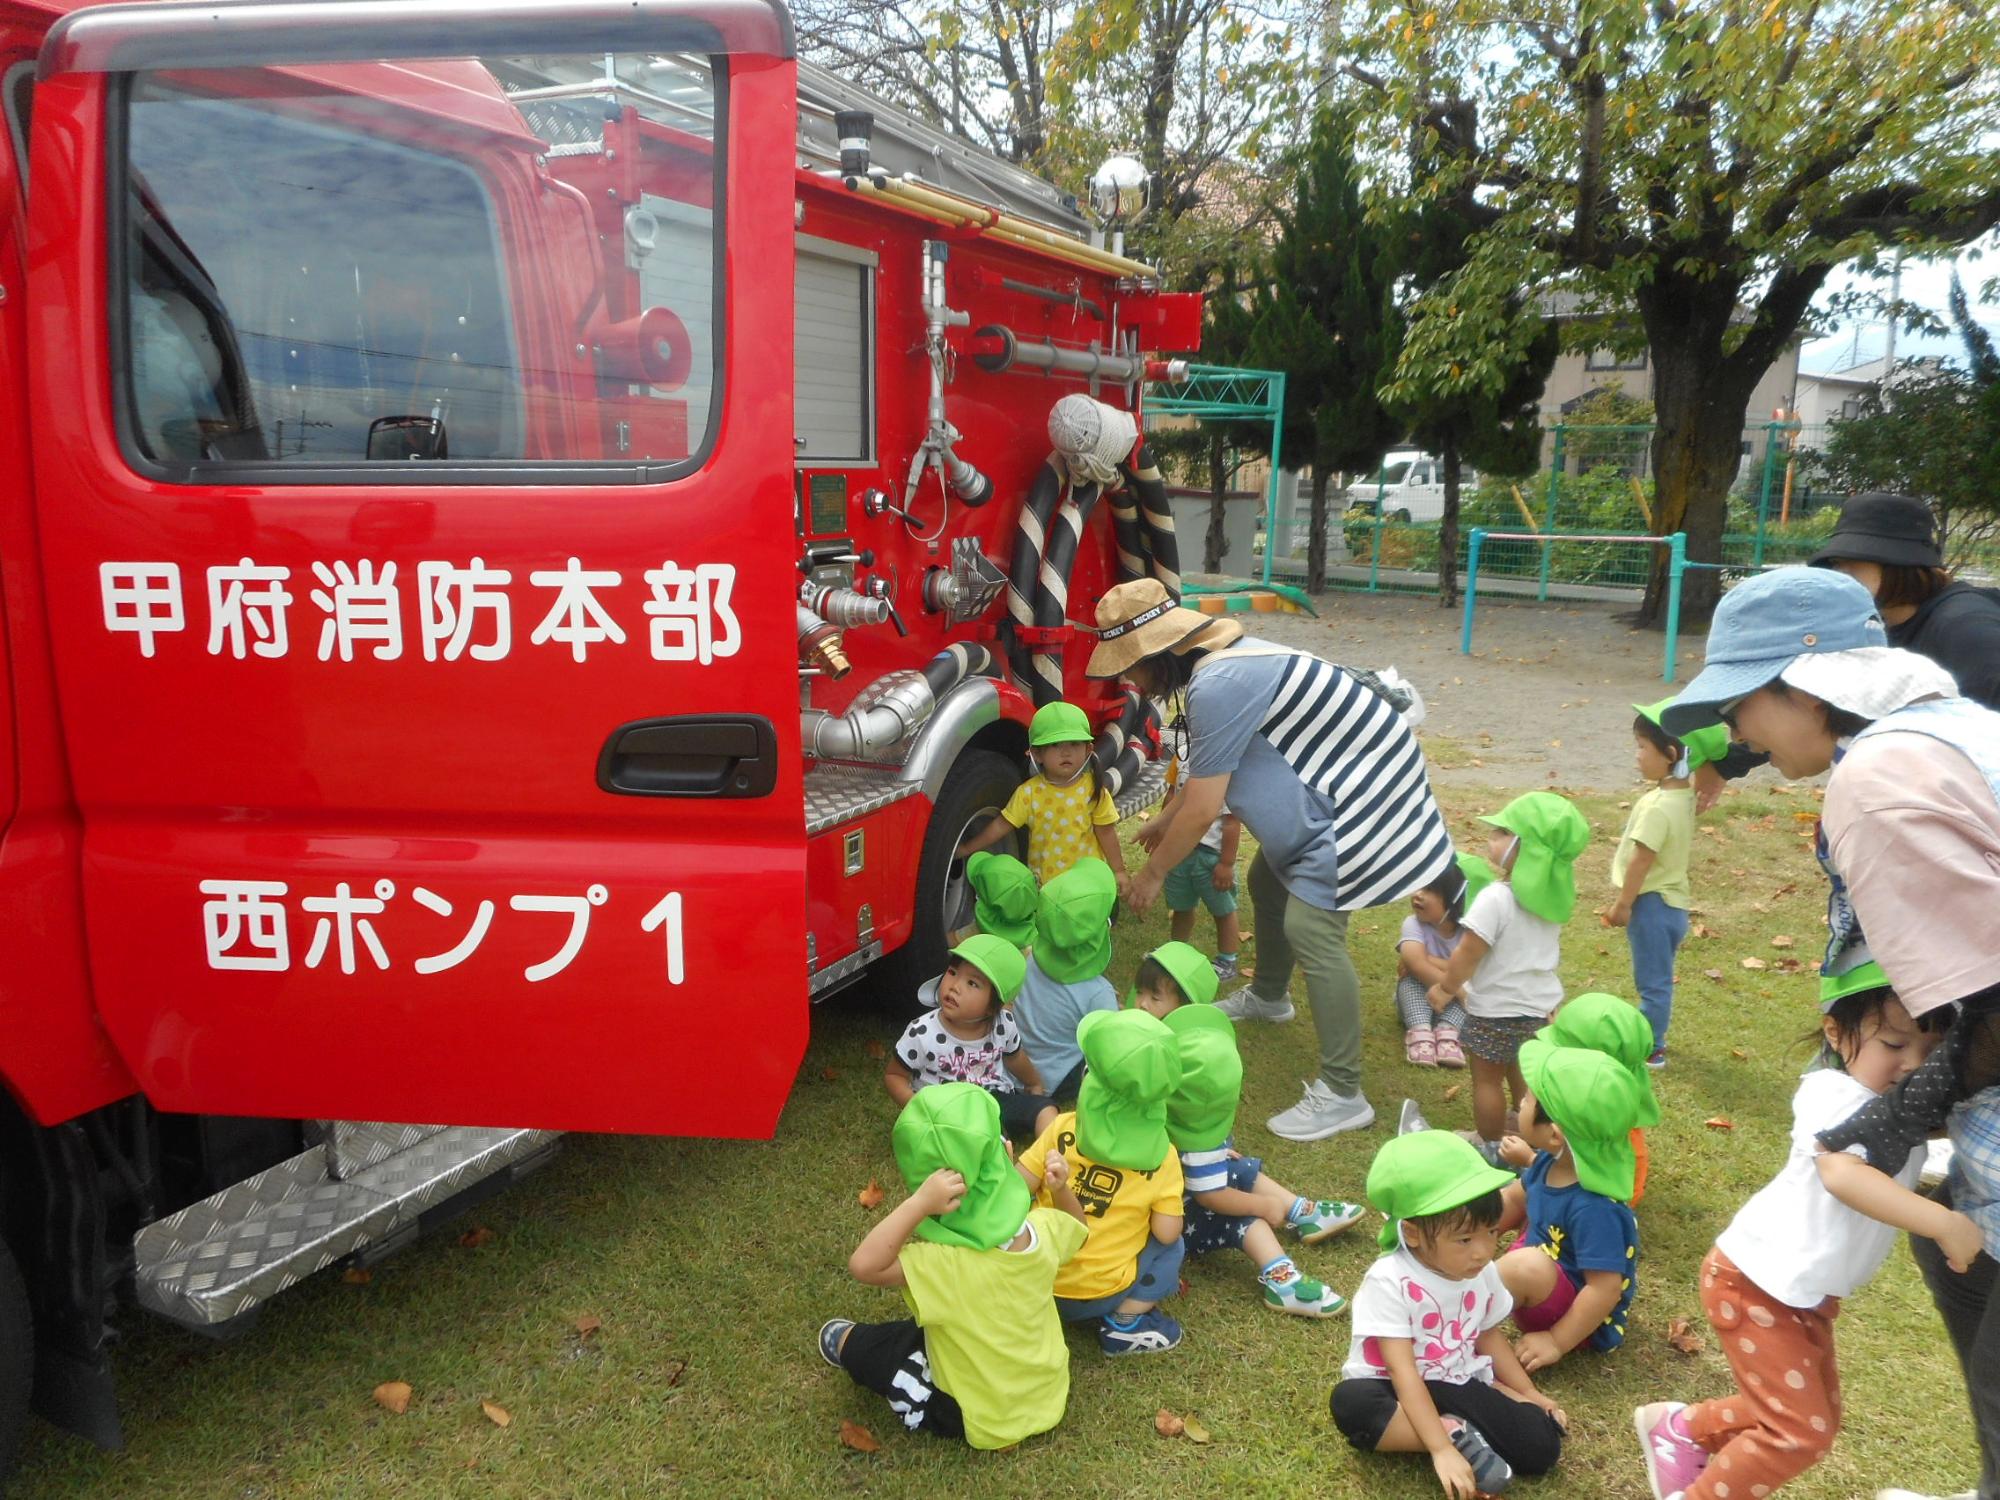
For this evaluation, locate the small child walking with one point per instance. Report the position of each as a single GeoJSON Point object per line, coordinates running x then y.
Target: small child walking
{"type": "Point", "coordinates": [1065, 980]}
{"type": "Point", "coordinates": [1575, 1268]}
{"type": "Point", "coordinates": [1003, 899]}
{"type": "Point", "coordinates": [1429, 937]}
{"type": "Point", "coordinates": [1207, 877]}
{"type": "Point", "coordinates": [983, 1359]}
{"type": "Point", "coordinates": [1430, 1369]}
{"type": "Point", "coordinates": [1122, 1171]}
{"type": "Point", "coordinates": [1504, 967]}
{"type": "Point", "coordinates": [1650, 871]}
{"type": "Point", "coordinates": [1064, 805]}
{"type": "Point", "coordinates": [1607, 1024]}
{"type": "Point", "coordinates": [1772, 1284]}
{"type": "Point", "coordinates": [1231, 1203]}
{"type": "Point", "coordinates": [968, 1036]}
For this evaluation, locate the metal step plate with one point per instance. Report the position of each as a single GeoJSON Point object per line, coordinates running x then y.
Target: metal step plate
{"type": "Point", "coordinates": [355, 1145]}
{"type": "Point", "coordinates": [837, 794]}
{"type": "Point", "coordinates": [219, 1258]}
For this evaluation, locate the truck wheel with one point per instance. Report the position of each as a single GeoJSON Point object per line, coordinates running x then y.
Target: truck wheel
{"type": "Point", "coordinates": [1400, 516]}
{"type": "Point", "coordinates": [17, 1362]}
{"type": "Point", "coordinates": [977, 787]}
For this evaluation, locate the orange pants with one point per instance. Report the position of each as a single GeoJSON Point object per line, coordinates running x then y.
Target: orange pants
{"type": "Point", "coordinates": [1786, 1409]}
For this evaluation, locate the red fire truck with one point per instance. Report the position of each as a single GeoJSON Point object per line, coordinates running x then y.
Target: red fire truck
{"type": "Point", "coordinates": [527, 537]}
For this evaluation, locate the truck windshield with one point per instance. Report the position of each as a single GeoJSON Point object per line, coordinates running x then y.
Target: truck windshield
{"type": "Point", "coordinates": [495, 261]}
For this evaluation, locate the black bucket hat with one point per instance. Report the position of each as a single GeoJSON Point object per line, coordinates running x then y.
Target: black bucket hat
{"type": "Point", "coordinates": [1878, 527]}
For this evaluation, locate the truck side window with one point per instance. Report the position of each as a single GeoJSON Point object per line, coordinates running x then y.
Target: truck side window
{"type": "Point", "coordinates": [386, 266]}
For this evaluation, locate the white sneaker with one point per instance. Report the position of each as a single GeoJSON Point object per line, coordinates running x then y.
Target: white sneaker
{"type": "Point", "coordinates": [1412, 1120]}
{"type": "Point", "coordinates": [1244, 1005]}
{"type": "Point", "coordinates": [1321, 1113]}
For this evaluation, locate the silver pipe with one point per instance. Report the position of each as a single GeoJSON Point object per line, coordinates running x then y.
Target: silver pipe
{"type": "Point", "coordinates": [1092, 364]}
{"type": "Point", "coordinates": [889, 710]}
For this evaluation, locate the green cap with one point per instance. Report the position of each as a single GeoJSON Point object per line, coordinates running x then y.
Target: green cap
{"type": "Point", "coordinates": [1593, 1100]}
{"type": "Point", "coordinates": [1059, 724]}
{"type": "Point", "coordinates": [999, 960]}
{"type": "Point", "coordinates": [1552, 834]}
{"type": "Point", "coordinates": [957, 1125]}
{"type": "Point", "coordinates": [1703, 746]}
{"type": "Point", "coordinates": [1189, 969]}
{"type": "Point", "coordinates": [1201, 1114]}
{"type": "Point", "coordinates": [1478, 873]}
{"type": "Point", "coordinates": [1615, 1027]}
{"type": "Point", "coordinates": [1003, 896]}
{"type": "Point", "coordinates": [1073, 922]}
{"type": "Point", "coordinates": [1133, 1068]}
{"type": "Point", "coordinates": [1860, 978]}
{"type": "Point", "coordinates": [1429, 1172]}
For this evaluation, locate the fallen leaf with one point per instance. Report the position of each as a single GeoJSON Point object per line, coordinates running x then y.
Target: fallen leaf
{"type": "Point", "coordinates": [1703, 930]}
{"type": "Point", "coordinates": [1478, 762]}
{"type": "Point", "coordinates": [1807, 817]}
{"type": "Point", "coordinates": [1737, 1052]}
{"type": "Point", "coordinates": [875, 1049]}
{"type": "Point", "coordinates": [1246, 973]}
{"type": "Point", "coordinates": [393, 1395]}
{"type": "Point", "coordinates": [1789, 965]}
{"type": "Point", "coordinates": [860, 1439]}
{"type": "Point", "coordinates": [1194, 1431]}
{"type": "Point", "coordinates": [587, 1325]}
{"type": "Point", "coordinates": [1754, 963]}
{"type": "Point", "coordinates": [829, 1074]}
{"type": "Point", "coordinates": [1719, 1122]}
{"type": "Point", "coordinates": [1783, 940]}
{"type": "Point", "coordinates": [1555, 744]}
{"type": "Point", "coordinates": [1453, 1092]}
{"type": "Point", "coordinates": [476, 1236]}
{"type": "Point", "coordinates": [1788, 889]}
{"type": "Point", "coordinates": [676, 1368]}
{"type": "Point", "coordinates": [497, 1414]}
{"type": "Point", "coordinates": [1715, 974]}
{"type": "Point", "coordinates": [870, 1197]}
{"type": "Point", "coordinates": [357, 1276]}
{"type": "Point", "coordinates": [1166, 1424]}
{"type": "Point", "coordinates": [1145, 816]}
{"type": "Point", "coordinates": [1684, 1338]}
{"type": "Point", "coordinates": [1708, 832]}
{"type": "Point", "coordinates": [1758, 906]}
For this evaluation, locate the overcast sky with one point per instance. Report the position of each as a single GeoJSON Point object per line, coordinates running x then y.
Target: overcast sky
{"type": "Point", "coordinates": [1925, 284]}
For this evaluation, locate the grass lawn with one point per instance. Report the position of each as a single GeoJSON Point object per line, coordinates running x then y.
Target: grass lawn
{"type": "Point", "coordinates": [710, 1265]}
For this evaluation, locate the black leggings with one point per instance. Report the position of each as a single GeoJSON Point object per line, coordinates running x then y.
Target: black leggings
{"type": "Point", "coordinates": [1972, 1319]}
{"type": "Point", "coordinates": [1520, 1432]}
{"type": "Point", "coordinates": [890, 1360]}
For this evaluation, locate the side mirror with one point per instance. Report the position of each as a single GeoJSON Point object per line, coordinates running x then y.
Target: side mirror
{"type": "Point", "coordinates": [398, 438]}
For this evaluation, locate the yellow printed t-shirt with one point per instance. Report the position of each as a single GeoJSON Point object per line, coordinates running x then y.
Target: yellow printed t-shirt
{"type": "Point", "coordinates": [1662, 820]}
{"type": "Point", "coordinates": [991, 1329]}
{"type": "Point", "coordinates": [1120, 1204]}
{"type": "Point", "coordinates": [1061, 823]}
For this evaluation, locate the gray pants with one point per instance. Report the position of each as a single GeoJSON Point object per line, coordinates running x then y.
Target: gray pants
{"type": "Point", "coordinates": [1972, 1319]}
{"type": "Point", "coordinates": [1296, 934]}
{"type": "Point", "coordinates": [1413, 999]}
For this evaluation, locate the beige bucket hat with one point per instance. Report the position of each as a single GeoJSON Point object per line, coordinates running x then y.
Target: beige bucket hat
{"type": "Point", "coordinates": [1140, 619]}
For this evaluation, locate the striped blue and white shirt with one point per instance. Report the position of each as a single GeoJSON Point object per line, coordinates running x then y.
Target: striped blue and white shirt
{"type": "Point", "coordinates": [1322, 770]}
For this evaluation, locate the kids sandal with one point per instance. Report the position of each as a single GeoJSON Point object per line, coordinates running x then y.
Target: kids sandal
{"type": "Point", "coordinates": [1420, 1047]}
{"type": "Point", "coordinates": [1449, 1053]}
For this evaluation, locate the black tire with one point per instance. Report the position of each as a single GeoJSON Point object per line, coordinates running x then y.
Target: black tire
{"type": "Point", "coordinates": [976, 788]}
{"type": "Point", "coordinates": [1400, 517]}
{"type": "Point", "coordinates": [17, 1362]}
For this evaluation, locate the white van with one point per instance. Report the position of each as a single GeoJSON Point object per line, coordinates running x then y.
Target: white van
{"type": "Point", "coordinates": [1410, 487]}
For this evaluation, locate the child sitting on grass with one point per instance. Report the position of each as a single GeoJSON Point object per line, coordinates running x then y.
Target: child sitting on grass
{"type": "Point", "coordinates": [1575, 1269]}
{"type": "Point", "coordinates": [1232, 1204]}
{"type": "Point", "coordinates": [1430, 1370]}
{"type": "Point", "coordinates": [1003, 899]}
{"type": "Point", "coordinates": [1122, 1172]}
{"type": "Point", "coordinates": [984, 1358]}
{"type": "Point", "coordinates": [1430, 936]}
{"type": "Point", "coordinates": [1504, 967]}
{"type": "Point", "coordinates": [1650, 871]}
{"type": "Point", "coordinates": [969, 1037]}
{"type": "Point", "coordinates": [1604, 1023]}
{"type": "Point", "coordinates": [1817, 1232]}
{"type": "Point", "coordinates": [1065, 980]}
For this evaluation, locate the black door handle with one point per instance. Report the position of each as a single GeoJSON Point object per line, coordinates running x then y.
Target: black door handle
{"type": "Point", "coordinates": [691, 755]}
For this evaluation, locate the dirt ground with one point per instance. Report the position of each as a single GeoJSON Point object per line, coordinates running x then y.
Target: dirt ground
{"type": "Point", "coordinates": [1543, 700]}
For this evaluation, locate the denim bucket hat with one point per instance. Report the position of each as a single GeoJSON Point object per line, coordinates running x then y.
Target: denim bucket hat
{"type": "Point", "coordinates": [1766, 623]}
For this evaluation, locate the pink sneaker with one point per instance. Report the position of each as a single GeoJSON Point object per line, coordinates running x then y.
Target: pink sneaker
{"type": "Point", "coordinates": [1674, 1460]}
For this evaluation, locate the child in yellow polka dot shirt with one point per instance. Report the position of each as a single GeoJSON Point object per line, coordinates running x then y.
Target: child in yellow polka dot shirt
{"type": "Point", "coordinates": [1064, 807]}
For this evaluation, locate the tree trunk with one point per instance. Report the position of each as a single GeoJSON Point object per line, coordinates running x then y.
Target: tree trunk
{"type": "Point", "coordinates": [1699, 407]}
{"type": "Point", "coordinates": [1215, 545]}
{"type": "Point", "coordinates": [1448, 528]}
{"type": "Point", "coordinates": [1316, 538]}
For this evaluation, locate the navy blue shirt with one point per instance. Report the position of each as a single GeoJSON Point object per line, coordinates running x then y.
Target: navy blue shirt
{"type": "Point", "coordinates": [1584, 1231]}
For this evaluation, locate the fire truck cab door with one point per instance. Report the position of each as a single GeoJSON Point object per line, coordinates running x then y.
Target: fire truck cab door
{"type": "Point", "coordinates": [411, 389]}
